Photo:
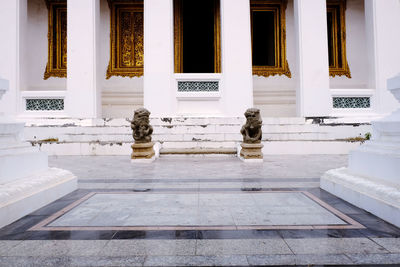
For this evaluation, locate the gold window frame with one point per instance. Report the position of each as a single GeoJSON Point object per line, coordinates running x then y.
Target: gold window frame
{"type": "Point", "coordinates": [178, 37]}
{"type": "Point", "coordinates": [57, 39]}
{"type": "Point", "coordinates": [131, 48]}
{"type": "Point", "coordinates": [338, 9]}
{"type": "Point", "coordinates": [279, 8]}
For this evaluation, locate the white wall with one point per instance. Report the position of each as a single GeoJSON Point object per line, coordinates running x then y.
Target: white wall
{"type": "Point", "coordinates": [356, 49]}
{"type": "Point", "coordinates": [275, 95]}
{"type": "Point", "coordinates": [35, 51]}
{"type": "Point", "coordinates": [120, 95]}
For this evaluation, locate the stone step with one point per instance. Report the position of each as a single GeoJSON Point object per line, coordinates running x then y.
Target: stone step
{"type": "Point", "coordinates": [114, 136]}
{"type": "Point", "coordinates": [198, 151]}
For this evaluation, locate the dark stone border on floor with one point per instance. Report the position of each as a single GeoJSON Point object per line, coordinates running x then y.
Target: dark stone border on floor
{"type": "Point", "coordinates": [375, 227]}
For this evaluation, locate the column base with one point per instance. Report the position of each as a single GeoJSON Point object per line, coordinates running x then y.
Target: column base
{"type": "Point", "coordinates": [371, 194]}
{"type": "Point", "coordinates": [25, 195]}
{"type": "Point", "coordinates": [251, 152]}
{"type": "Point", "coordinates": [143, 152]}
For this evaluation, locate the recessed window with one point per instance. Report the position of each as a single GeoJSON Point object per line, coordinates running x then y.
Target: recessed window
{"type": "Point", "coordinates": [57, 39]}
{"type": "Point", "coordinates": [338, 65]}
{"type": "Point", "coordinates": [268, 35]}
{"type": "Point", "coordinates": [197, 36]}
{"type": "Point", "coordinates": [126, 42]}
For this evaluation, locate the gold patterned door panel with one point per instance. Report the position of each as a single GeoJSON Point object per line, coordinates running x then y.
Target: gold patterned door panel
{"type": "Point", "coordinates": [126, 42]}
{"type": "Point", "coordinates": [338, 65]}
{"type": "Point", "coordinates": [268, 37]}
{"type": "Point", "coordinates": [57, 39]}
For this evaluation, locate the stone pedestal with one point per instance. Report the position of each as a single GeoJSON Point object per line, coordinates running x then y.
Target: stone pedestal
{"type": "Point", "coordinates": [143, 152]}
{"type": "Point", "coordinates": [251, 152]}
{"type": "Point", "coordinates": [372, 179]}
{"type": "Point", "coordinates": [26, 181]}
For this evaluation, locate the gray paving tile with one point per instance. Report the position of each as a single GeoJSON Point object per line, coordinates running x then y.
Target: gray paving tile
{"type": "Point", "coordinates": [107, 261]}
{"type": "Point", "coordinates": [226, 260]}
{"type": "Point", "coordinates": [192, 209]}
{"type": "Point", "coordinates": [149, 247]}
{"type": "Point", "coordinates": [391, 244]}
{"type": "Point", "coordinates": [274, 166]}
{"type": "Point", "coordinates": [58, 248]}
{"type": "Point", "coordinates": [364, 258]}
{"type": "Point", "coordinates": [41, 261]}
{"type": "Point", "coordinates": [271, 259]}
{"type": "Point", "coordinates": [333, 246]}
{"type": "Point", "coordinates": [241, 247]}
{"type": "Point", "coordinates": [34, 261]}
{"type": "Point", "coordinates": [307, 259]}
{"type": "Point", "coordinates": [6, 246]}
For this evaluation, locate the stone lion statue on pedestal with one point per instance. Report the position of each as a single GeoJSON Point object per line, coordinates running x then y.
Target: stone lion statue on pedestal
{"type": "Point", "coordinates": [251, 131]}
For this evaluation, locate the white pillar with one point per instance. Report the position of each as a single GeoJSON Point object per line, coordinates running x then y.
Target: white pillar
{"type": "Point", "coordinates": [312, 86]}
{"type": "Point", "coordinates": [236, 57]}
{"type": "Point", "coordinates": [382, 21]}
{"type": "Point", "coordinates": [9, 52]}
{"type": "Point", "coordinates": [83, 98]}
{"type": "Point", "coordinates": [159, 93]}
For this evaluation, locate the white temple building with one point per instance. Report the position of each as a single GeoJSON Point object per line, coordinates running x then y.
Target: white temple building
{"type": "Point", "coordinates": [296, 59]}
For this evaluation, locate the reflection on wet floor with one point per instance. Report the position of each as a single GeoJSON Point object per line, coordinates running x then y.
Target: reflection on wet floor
{"type": "Point", "coordinates": [134, 205]}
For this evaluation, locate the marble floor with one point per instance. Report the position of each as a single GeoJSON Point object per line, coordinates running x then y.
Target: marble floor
{"type": "Point", "coordinates": [199, 212]}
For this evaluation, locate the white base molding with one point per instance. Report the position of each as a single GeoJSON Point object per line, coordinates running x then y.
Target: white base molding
{"type": "Point", "coordinates": [150, 160]}
{"type": "Point", "coordinates": [251, 160]}
{"type": "Point", "coordinates": [25, 195]}
{"type": "Point", "coordinates": [373, 195]}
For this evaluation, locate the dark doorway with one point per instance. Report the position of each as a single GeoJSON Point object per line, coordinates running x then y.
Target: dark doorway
{"type": "Point", "coordinates": [198, 44]}
{"type": "Point", "coordinates": [263, 38]}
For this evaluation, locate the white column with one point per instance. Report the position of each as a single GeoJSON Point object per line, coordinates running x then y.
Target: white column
{"type": "Point", "coordinates": [159, 94]}
{"type": "Point", "coordinates": [9, 52]}
{"type": "Point", "coordinates": [83, 97]}
{"type": "Point", "coordinates": [312, 90]}
{"type": "Point", "coordinates": [382, 21]}
{"type": "Point", "coordinates": [237, 94]}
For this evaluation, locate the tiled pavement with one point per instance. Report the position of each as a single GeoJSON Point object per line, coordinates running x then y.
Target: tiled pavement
{"type": "Point", "coordinates": [375, 244]}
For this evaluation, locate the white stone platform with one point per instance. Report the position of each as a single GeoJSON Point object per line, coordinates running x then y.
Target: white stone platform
{"type": "Point", "coordinates": [372, 179]}
{"type": "Point", "coordinates": [23, 196]}
{"type": "Point", "coordinates": [373, 195]}
{"type": "Point", "coordinates": [190, 134]}
{"type": "Point", "coordinates": [26, 181]}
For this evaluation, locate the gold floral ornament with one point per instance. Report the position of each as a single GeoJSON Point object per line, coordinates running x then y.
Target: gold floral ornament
{"type": "Point", "coordinates": [268, 37]}
{"type": "Point", "coordinates": [57, 39]}
{"type": "Point", "coordinates": [338, 65]}
{"type": "Point", "coordinates": [126, 38]}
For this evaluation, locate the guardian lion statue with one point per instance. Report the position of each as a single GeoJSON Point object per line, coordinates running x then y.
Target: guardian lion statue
{"type": "Point", "coordinates": [141, 127]}
{"type": "Point", "coordinates": [251, 131]}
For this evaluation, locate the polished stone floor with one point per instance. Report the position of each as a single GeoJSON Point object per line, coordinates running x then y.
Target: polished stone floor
{"type": "Point", "coordinates": [199, 212]}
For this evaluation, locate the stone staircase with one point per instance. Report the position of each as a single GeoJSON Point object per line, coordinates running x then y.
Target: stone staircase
{"type": "Point", "coordinates": [195, 136]}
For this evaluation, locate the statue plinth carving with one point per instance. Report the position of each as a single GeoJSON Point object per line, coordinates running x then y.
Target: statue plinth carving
{"type": "Point", "coordinates": [252, 134]}
{"type": "Point", "coordinates": [142, 149]}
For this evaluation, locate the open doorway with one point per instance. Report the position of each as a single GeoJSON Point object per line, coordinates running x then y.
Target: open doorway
{"type": "Point", "coordinates": [197, 36]}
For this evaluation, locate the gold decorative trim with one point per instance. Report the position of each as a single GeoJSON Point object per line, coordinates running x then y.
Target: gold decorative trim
{"type": "Point", "coordinates": [57, 39]}
{"type": "Point", "coordinates": [340, 66]}
{"type": "Point", "coordinates": [126, 38]}
{"type": "Point", "coordinates": [178, 37]}
{"type": "Point", "coordinates": [281, 65]}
